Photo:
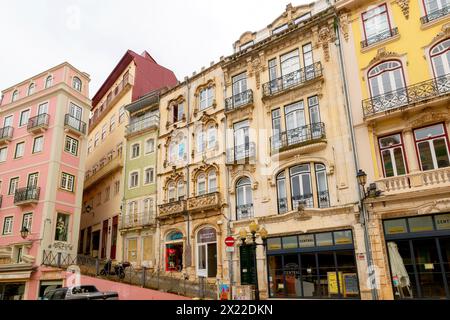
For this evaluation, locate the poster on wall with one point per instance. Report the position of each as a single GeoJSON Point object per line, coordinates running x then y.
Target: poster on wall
{"type": "Point", "coordinates": [223, 292]}
{"type": "Point", "coordinates": [243, 292]}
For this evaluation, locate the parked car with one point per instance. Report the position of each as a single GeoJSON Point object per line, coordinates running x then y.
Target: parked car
{"type": "Point", "coordinates": [80, 293]}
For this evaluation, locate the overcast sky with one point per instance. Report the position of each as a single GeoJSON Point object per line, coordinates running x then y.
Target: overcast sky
{"type": "Point", "coordinates": [182, 35]}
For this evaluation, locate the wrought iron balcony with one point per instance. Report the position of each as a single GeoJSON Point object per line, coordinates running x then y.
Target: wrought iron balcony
{"type": "Point", "coordinates": [238, 101]}
{"type": "Point", "coordinates": [244, 211]}
{"type": "Point", "coordinates": [324, 199]}
{"type": "Point", "coordinates": [379, 37]}
{"type": "Point", "coordinates": [28, 195]}
{"type": "Point", "coordinates": [282, 205]}
{"type": "Point", "coordinates": [151, 122]}
{"type": "Point", "coordinates": [241, 154]}
{"type": "Point", "coordinates": [408, 96]}
{"type": "Point", "coordinates": [141, 219]}
{"type": "Point", "coordinates": [298, 137]}
{"type": "Point", "coordinates": [306, 200]}
{"type": "Point", "coordinates": [292, 79]}
{"type": "Point", "coordinates": [6, 134]}
{"type": "Point", "coordinates": [204, 202]}
{"type": "Point", "coordinates": [172, 208]}
{"type": "Point", "coordinates": [38, 123]}
{"type": "Point", "coordinates": [74, 125]}
{"type": "Point", "coordinates": [435, 14]}
{"type": "Point", "coordinates": [58, 259]}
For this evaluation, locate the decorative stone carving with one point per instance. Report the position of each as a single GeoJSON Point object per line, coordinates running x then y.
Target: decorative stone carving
{"type": "Point", "coordinates": [204, 202]}
{"type": "Point", "coordinates": [404, 6]}
{"type": "Point", "coordinates": [325, 36]}
{"type": "Point", "coordinates": [344, 25]}
{"type": "Point", "coordinates": [444, 34]}
{"type": "Point", "coordinates": [427, 116]}
{"type": "Point", "coordinates": [172, 208]}
{"type": "Point", "coordinates": [382, 54]}
{"type": "Point", "coordinates": [62, 246]}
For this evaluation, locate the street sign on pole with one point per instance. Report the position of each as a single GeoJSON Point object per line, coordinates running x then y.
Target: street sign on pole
{"type": "Point", "coordinates": [229, 249]}
{"type": "Point", "coordinates": [229, 241]}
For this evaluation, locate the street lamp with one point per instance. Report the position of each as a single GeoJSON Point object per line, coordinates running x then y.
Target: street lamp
{"type": "Point", "coordinates": [254, 228]}
{"type": "Point", "coordinates": [24, 232]}
{"type": "Point", "coordinates": [361, 176]}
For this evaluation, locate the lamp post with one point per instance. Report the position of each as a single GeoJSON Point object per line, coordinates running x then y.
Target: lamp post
{"type": "Point", "coordinates": [254, 228]}
{"type": "Point", "coordinates": [361, 176]}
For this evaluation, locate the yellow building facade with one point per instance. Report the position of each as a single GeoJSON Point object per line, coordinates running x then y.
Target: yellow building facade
{"type": "Point", "coordinates": [397, 59]}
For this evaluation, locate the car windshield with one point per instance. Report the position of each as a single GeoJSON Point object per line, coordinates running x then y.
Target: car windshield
{"type": "Point", "coordinates": [84, 289]}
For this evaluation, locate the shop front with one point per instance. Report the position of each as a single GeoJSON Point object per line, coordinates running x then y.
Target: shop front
{"type": "Point", "coordinates": [174, 252]}
{"type": "Point", "coordinates": [12, 290]}
{"type": "Point", "coordinates": [419, 256]}
{"type": "Point", "coordinates": [314, 266]}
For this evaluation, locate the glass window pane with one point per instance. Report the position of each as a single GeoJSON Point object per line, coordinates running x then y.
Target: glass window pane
{"type": "Point", "coordinates": [292, 275]}
{"type": "Point", "coordinates": [442, 222]}
{"type": "Point", "coordinates": [324, 239]}
{"type": "Point", "coordinates": [306, 241]}
{"type": "Point", "coordinates": [290, 242]}
{"type": "Point", "coordinates": [274, 244]}
{"type": "Point", "coordinates": [440, 150]}
{"type": "Point", "coordinates": [399, 161]}
{"type": "Point", "coordinates": [390, 141]}
{"type": "Point", "coordinates": [387, 162]}
{"type": "Point", "coordinates": [429, 132]}
{"type": "Point", "coordinates": [420, 224]}
{"type": "Point", "coordinates": [395, 226]}
{"type": "Point", "coordinates": [343, 237]}
{"type": "Point", "coordinates": [276, 279]}
{"type": "Point", "coordinates": [426, 158]}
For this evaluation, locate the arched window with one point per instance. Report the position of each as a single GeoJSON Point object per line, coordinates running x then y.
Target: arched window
{"type": "Point", "coordinates": [301, 188]}
{"type": "Point", "coordinates": [48, 82]}
{"type": "Point", "coordinates": [386, 77]}
{"type": "Point", "coordinates": [76, 83]}
{"type": "Point", "coordinates": [212, 181]}
{"type": "Point", "coordinates": [15, 96]}
{"type": "Point", "coordinates": [180, 190]}
{"type": "Point", "coordinates": [322, 186]}
{"type": "Point", "coordinates": [212, 136]}
{"type": "Point", "coordinates": [177, 149]}
{"type": "Point", "coordinates": [31, 88]}
{"type": "Point", "coordinates": [440, 58]}
{"type": "Point", "coordinates": [207, 252]}
{"type": "Point", "coordinates": [171, 193]}
{"type": "Point", "coordinates": [281, 192]}
{"type": "Point", "coordinates": [200, 140]}
{"type": "Point", "coordinates": [201, 184]}
{"type": "Point", "coordinates": [244, 199]}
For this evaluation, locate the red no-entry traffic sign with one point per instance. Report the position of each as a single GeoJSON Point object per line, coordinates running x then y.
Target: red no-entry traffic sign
{"type": "Point", "coordinates": [229, 241]}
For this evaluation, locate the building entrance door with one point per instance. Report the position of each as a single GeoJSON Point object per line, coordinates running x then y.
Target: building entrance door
{"type": "Point", "coordinates": [247, 265]}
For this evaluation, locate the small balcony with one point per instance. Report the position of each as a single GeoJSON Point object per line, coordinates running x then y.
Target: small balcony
{"type": "Point", "coordinates": [74, 125]}
{"type": "Point", "coordinates": [422, 92]}
{"type": "Point", "coordinates": [239, 101]}
{"type": "Point", "coordinates": [435, 15]}
{"type": "Point", "coordinates": [139, 220]}
{"type": "Point", "coordinates": [390, 33]}
{"type": "Point", "coordinates": [205, 202]}
{"type": "Point", "coordinates": [306, 139]}
{"type": "Point", "coordinates": [292, 80]}
{"type": "Point", "coordinates": [110, 163]}
{"type": "Point", "coordinates": [244, 211]}
{"type": "Point", "coordinates": [425, 180]}
{"type": "Point", "coordinates": [58, 259]}
{"type": "Point", "coordinates": [38, 124]}
{"type": "Point", "coordinates": [142, 125]}
{"type": "Point", "coordinates": [6, 135]}
{"type": "Point", "coordinates": [173, 208]}
{"type": "Point", "coordinates": [242, 154]}
{"type": "Point", "coordinates": [26, 196]}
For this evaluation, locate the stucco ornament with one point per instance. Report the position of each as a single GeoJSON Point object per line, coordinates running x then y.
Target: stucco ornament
{"type": "Point", "coordinates": [343, 23]}
{"type": "Point", "coordinates": [325, 36]}
{"type": "Point", "coordinates": [404, 6]}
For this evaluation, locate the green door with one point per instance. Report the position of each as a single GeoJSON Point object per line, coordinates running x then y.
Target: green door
{"type": "Point", "coordinates": [247, 265]}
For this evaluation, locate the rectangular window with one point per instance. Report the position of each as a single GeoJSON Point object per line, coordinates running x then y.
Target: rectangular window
{"type": "Point", "coordinates": [239, 89]}
{"type": "Point", "coordinates": [135, 150]}
{"type": "Point", "coordinates": [307, 55]}
{"type": "Point", "coordinates": [206, 98]}
{"type": "Point", "coordinates": [432, 147]}
{"type": "Point", "coordinates": [24, 116]}
{"type": "Point", "coordinates": [99, 199]}
{"type": "Point", "coordinates": [112, 123]}
{"type": "Point", "coordinates": [27, 221]}
{"type": "Point", "coordinates": [33, 180]}
{"type": "Point", "coordinates": [20, 149]}
{"type": "Point", "coordinates": [62, 227]}
{"type": "Point", "coordinates": [121, 114]}
{"type": "Point", "coordinates": [276, 122]}
{"type": "Point", "coordinates": [8, 121]}
{"type": "Point", "coordinates": [96, 139]}
{"type": "Point", "coordinates": [116, 187]}
{"type": "Point", "coordinates": [71, 145]}
{"type": "Point", "coordinates": [38, 144]}
{"type": "Point", "coordinates": [13, 185]}
{"type": "Point", "coordinates": [273, 69]}
{"type": "Point", "coordinates": [8, 225]}
{"type": "Point", "coordinates": [375, 23]}
{"type": "Point", "coordinates": [149, 146]}
{"type": "Point", "coordinates": [134, 179]}
{"type": "Point", "coordinates": [89, 148]}
{"type": "Point", "coordinates": [149, 176]}
{"type": "Point", "coordinates": [3, 154]}
{"type": "Point", "coordinates": [67, 182]}
{"type": "Point", "coordinates": [290, 63]}
{"type": "Point", "coordinates": [302, 18]}
{"type": "Point", "coordinates": [392, 155]}
{"type": "Point", "coordinates": [43, 108]}
{"type": "Point", "coordinates": [280, 29]}
{"type": "Point", "coordinates": [104, 128]}
{"type": "Point", "coordinates": [107, 193]}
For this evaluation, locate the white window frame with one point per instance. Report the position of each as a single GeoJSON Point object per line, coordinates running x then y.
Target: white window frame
{"type": "Point", "coordinates": [3, 151]}
{"type": "Point", "coordinates": [152, 149]}
{"type": "Point", "coordinates": [206, 98]}
{"type": "Point", "coordinates": [34, 145]}
{"type": "Point", "coordinates": [67, 182]}
{"type": "Point", "coordinates": [152, 181]}
{"type": "Point", "coordinates": [16, 185]}
{"type": "Point", "coordinates": [27, 220]}
{"type": "Point", "coordinates": [8, 223]}
{"type": "Point", "coordinates": [22, 143]}
{"type": "Point", "coordinates": [72, 142]}
{"type": "Point", "coordinates": [130, 179]}
{"type": "Point", "coordinates": [132, 155]}
{"type": "Point", "coordinates": [21, 122]}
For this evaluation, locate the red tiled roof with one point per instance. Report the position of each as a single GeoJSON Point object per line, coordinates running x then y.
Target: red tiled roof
{"type": "Point", "coordinates": [149, 76]}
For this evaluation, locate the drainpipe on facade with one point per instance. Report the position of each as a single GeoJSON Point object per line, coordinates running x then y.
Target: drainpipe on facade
{"type": "Point", "coordinates": [362, 207]}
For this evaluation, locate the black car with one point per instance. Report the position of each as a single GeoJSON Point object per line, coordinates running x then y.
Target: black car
{"type": "Point", "coordinates": [80, 293]}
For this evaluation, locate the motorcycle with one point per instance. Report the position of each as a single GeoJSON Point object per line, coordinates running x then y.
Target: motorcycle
{"type": "Point", "coordinates": [118, 269]}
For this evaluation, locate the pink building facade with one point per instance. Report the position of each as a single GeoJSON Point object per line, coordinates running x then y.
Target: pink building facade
{"type": "Point", "coordinates": [42, 156]}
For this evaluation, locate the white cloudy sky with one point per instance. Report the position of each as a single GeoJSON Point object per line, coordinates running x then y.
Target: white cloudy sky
{"type": "Point", "coordinates": [182, 35]}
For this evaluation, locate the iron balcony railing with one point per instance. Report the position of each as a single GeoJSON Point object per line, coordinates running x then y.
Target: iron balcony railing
{"type": "Point", "coordinates": [297, 137]}
{"type": "Point", "coordinates": [143, 124]}
{"type": "Point", "coordinates": [26, 194]}
{"type": "Point", "coordinates": [40, 120]}
{"type": "Point", "coordinates": [75, 123]}
{"type": "Point", "coordinates": [58, 259]}
{"type": "Point", "coordinates": [141, 219]}
{"type": "Point", "coordinates": [435, 14]}
{"type": "Point", "coordinates": [282, 205]}
{"type": "Point", "coordinates": [306, 200]}
{"type": "Point", "coordinates": [292, 79]}
{"type": "Point", "coordinates": [324, 199]}
{"type": "Point", "coordinates": [379, 37]}
{"type": "Point", "coordinates": [238, 100]}
{"type": "Point", "coordinates": [419, 92]}
{"type": "Point", "coordinates": [244, 211]}
{"type": "Point", "coordinates": [6, 132]}
{"type": "Point", "coordinates": [242, 153]}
